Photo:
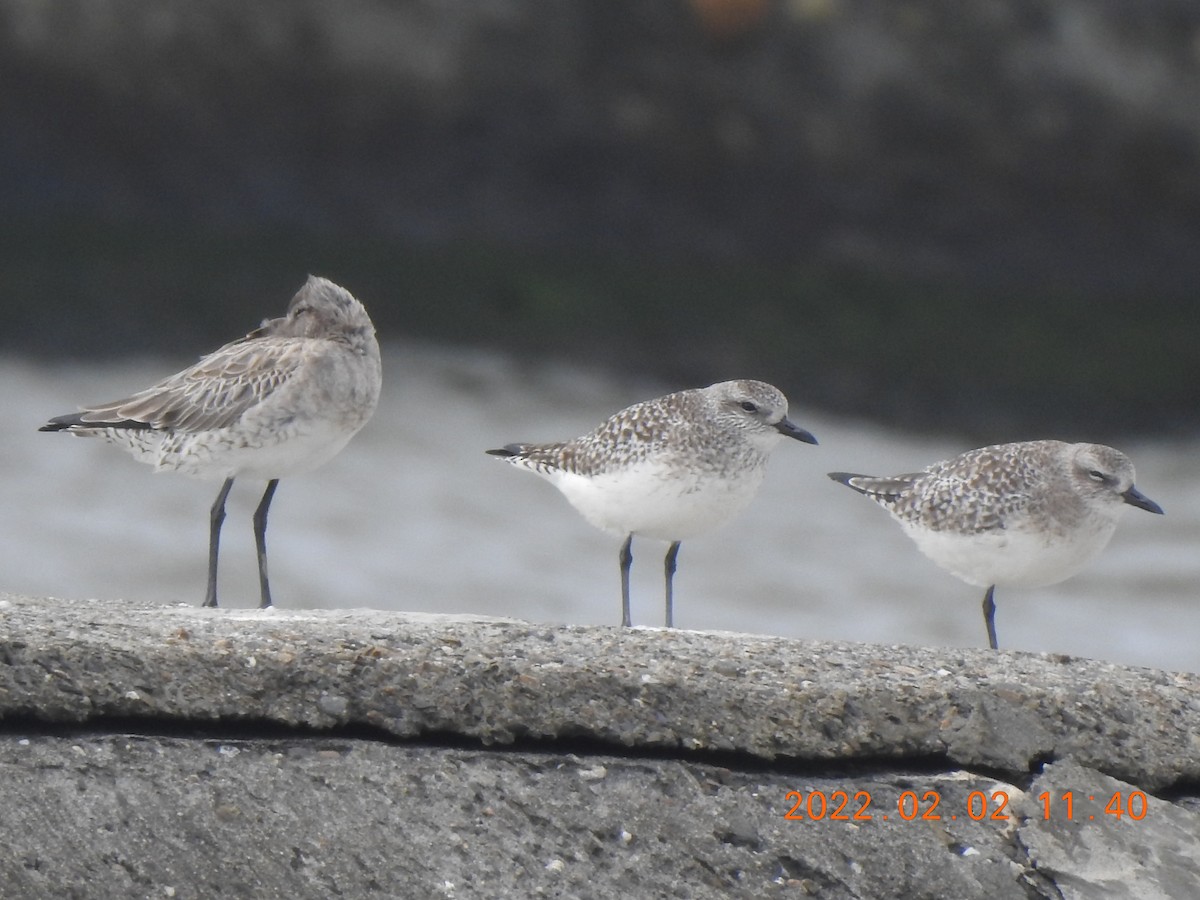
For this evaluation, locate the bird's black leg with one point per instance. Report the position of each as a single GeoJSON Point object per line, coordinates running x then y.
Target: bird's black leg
{"type": "Point", "coordinates": [260, 540]}
{"type": "Point", "coordinates": [215, 517]}
{"type": "Point", "coordinates": [989, 616]}
{"type": "Point", "coordinates": [669, 567]}
{"type": "Point", "coordinates": [626, 558]}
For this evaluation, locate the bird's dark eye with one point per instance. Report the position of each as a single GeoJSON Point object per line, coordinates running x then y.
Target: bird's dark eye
{"type": "Point", "coordinates": [749, 406]}
{"type": "Point", "coordinates": [1097, 476]}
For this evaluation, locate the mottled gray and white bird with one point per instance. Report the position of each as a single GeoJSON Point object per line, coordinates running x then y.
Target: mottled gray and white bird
{"type": "Point", "coordinates": [278, 402]}
{"type": "Point", "coordinates": [1024, 515]}
{"type": "Point", "coordinates": [669, 468]}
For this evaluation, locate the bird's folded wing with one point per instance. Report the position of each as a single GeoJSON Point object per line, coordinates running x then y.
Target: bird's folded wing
{"type": "Point", "coordinates": [214, 393]}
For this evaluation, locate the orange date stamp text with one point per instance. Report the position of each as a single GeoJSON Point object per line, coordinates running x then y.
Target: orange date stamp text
{"type": "Point", "coordinates": [859, 806]}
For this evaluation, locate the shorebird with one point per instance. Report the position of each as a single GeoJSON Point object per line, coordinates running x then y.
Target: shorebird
{"type": "Point", "coordinates": [669, 468]}
{"type": "Point", "coordinates": [1025, 514]}
{"type": "Point", "coordinates": [280, 401]}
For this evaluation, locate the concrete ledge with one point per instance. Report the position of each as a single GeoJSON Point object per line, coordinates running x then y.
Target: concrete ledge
{"type": "Point", "coordinates": [175, 751]}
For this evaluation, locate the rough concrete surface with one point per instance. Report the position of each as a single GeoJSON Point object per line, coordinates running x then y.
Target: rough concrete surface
{"type": "Point", "coordinates": [180, 752]}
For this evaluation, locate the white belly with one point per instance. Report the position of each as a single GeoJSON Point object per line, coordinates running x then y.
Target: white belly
{"type": "Point", "coordinates": [229, 452]}
{"type": "Point", "coordinates": [657, 501]}
{"type": "Point", "coordinates": [1011, 557]}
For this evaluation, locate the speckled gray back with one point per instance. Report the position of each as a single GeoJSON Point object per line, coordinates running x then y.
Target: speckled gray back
{"type": "Point", "coordinates": [707, 428]}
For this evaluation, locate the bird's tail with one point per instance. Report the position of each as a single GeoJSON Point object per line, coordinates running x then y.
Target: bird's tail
{"type": "Point", "coordinates": [79, 422]}
{"type": "Point", "coordinates": [874, 486]}
{"type": "Point", "coordinates": [508, 451]}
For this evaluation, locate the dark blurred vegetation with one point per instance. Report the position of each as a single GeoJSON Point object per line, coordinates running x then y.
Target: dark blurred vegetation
{"type": "Point", "coordinates": [971, 215]}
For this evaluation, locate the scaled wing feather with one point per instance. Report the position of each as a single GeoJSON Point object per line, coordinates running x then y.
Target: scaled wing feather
{"type": "Point", "coordinates": [214, 393]}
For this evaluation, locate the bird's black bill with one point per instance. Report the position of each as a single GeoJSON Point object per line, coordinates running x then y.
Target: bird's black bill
{"type": "Point", "coordinates": [787, 429]}
{"type": "Point", "coordinates": [1134, 497]}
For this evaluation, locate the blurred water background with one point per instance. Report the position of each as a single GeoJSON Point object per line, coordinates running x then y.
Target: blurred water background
{"type": "Point", "coordinates": [935, 225]}
{"type": "Point", "coordinates": [414, 516]}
